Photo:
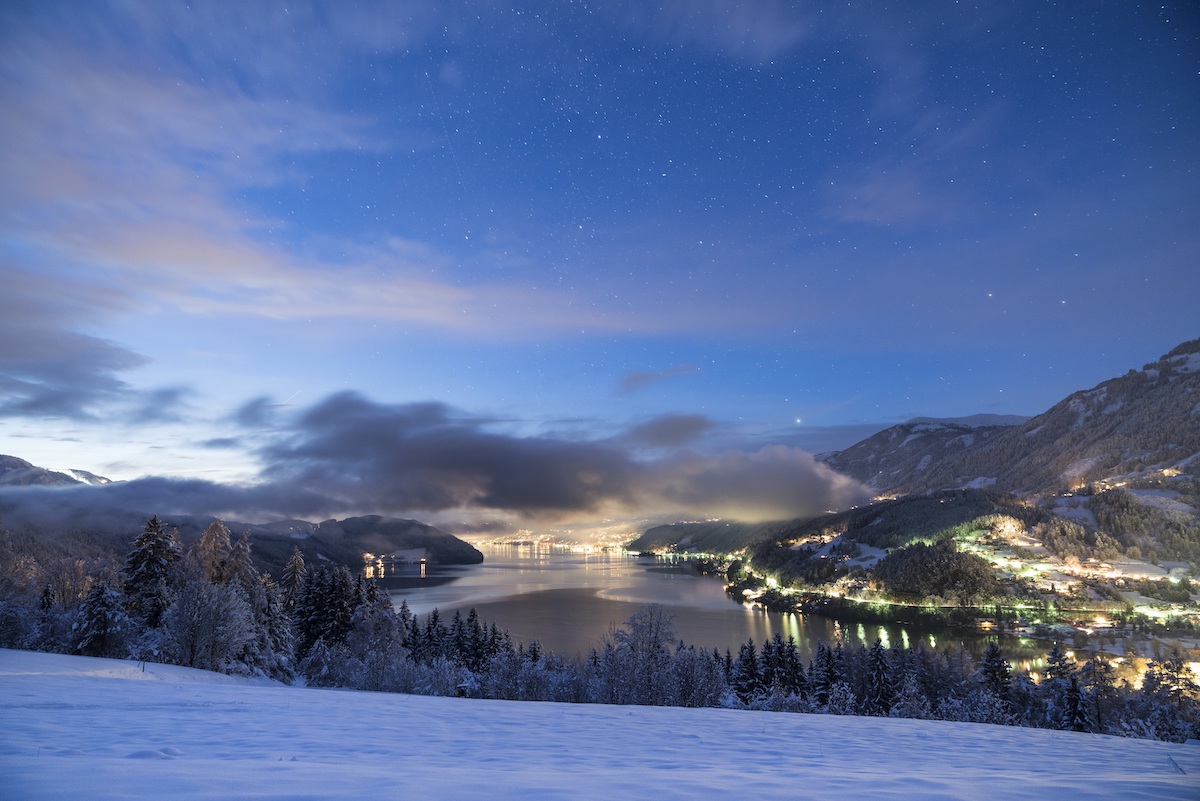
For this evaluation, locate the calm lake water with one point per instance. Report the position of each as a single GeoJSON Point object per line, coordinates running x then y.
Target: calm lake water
{"type": "Point", "coordinates": [570, 601]}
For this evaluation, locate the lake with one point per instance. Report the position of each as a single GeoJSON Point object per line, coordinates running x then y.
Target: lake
{"type": "Point", "coordinates": [570, 600]}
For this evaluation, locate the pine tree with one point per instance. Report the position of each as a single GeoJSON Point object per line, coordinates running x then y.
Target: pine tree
{"type": "Point", "coordinates": [374, 646]}
{"type": "Point", "coordinates": [995, 672]}
{"type": "Point", "coordinates": [822, 674]}
{"type": "Point", "coordinates": [879, 682]}
{"type": "Point", "coordinates": [412, 637]}
{"type": "Point", "coordinates": [148, 572]}
{"type": "Point", "coordinates": [458, 638]}
{"type": "Point", "coordinates": [275, 632]}
{"type": "Point", "coordinates": [1074, 716]}
{"type": "Point", "coordinates": [48, 636]}
{"type": "Point", "coordinates": [792, 671]}
{"type": "Point", "coordinates": [433, 637]}
{"type": "Point", "coordinates": [770, 664]}
{"type": "Point", "coordinates": [344, 599]}
{"type": "Point", "coordinates": [309, 611]}
{"type": "Point", "coordinates": [747, 681]}
{"type": "Point", "coordinates": [294, 575]}
{"type": "Point", "coordinates": [103, 624]}
{"type": "Point", "coordinates": [240, 565]}
{"type": "Point", "coordinates": [1099, 681]}
{"type": "Point", "coordinates": [1060, 673]}
{"type": "Point", "coordinates": [1058, 666]}
{"type": "Point", "coordinates": [477, 654]}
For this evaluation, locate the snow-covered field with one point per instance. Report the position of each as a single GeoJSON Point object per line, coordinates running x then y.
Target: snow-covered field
{"type": "Point", "coordinates": [76, 728]}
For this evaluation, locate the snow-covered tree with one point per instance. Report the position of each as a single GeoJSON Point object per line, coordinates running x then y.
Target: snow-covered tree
{"type": "Point", "coordinates": [294, 575]}
{"type": "Point", "coordinates": [747, 681]}
{"type": "Point", "coordinates": [994, 671]}
{"type": "Point", "coordinates": [103, 625]}
{"type": "Point", "coordinates": [980, 705]}
{"type": "Point", "coordinates": [878, 700]}
{"type": "Point", "coordinates": [1059, 666]}
{"type": "Point", "coordinates": [1074, 710]}
{"type": "Point", "coordinates": [910, 701]}
{"type": "Point", "coordinates": [822, 674]}
{"type": "Point", "coordinates": [209, 626]}
{"type": "Point", "coordinates": [240, 565]}
{"type": "Point", "coordinates": [643, 646]}
{"type": "Point", "coordinates": [325, 608]}
{"type": "Point", "coordinates": [1101, 693]}
{"type": "Point", "coordinates": [271, 651]}
{"type": "Point", "coordinates": [791, 677]}
{"type": "Point", "coordinates": [842, 700]}
{"type": "Point", "coordinates": [697, 678]}
{"type": "Point", "coordinates": [211, 552]}
{"type": "Point", "coordinates": [149, 571]}
{"type": "Point", "coordinates": [18, 624]}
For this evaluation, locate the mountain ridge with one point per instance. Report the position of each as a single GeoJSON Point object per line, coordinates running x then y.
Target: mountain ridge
{"type": "Point", "coordinates": [1125, 427]}
{"type": "Point", "coordinates": [16, 472]}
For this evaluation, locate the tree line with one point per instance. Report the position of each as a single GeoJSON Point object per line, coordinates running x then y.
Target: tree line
{"type": "Point", "coordinates": [208, 607]}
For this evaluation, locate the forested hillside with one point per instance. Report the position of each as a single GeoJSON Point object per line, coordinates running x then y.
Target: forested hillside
{"type": "Point", "coordinates": [1142, 425]}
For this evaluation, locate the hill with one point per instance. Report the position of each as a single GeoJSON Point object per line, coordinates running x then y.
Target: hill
{"type": "Point", "coordinates": [16, 472]}
{"type": "Point", "coordinates": [347, 540]}
{"type": "Point", "coordinates": [152, 731]}
{"type": "Point", "coordinates": [916, 547]}
{"type": "Point", "coordinates": [710, 536]}
{"type": "Point", "coordinates": [1142, 426]}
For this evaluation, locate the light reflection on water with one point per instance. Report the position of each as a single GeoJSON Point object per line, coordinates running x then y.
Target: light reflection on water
{"type": "Point", "coordinates": [570, 601]}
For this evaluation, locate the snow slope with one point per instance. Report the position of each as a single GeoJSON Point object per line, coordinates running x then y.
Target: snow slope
{"type": "Point", "coordinates": [73, 727]}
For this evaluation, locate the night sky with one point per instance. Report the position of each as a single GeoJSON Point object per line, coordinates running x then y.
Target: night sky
{"type": "Point", "coordinates": [534, 264]}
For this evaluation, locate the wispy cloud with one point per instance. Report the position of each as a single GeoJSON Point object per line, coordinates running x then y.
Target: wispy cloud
{"type": "Point", "coordinates": [131, 181]}
{"type": "Point", "coordinates": [124, 189]}
{"type": "Point", "coordinates": [641, 379]}
{"type": "Point", "coordinates": [926, 183]}
{"type": "Point", "coordinates": [297, 44]}
{"type": "Point", "coordinates": [753, 31]}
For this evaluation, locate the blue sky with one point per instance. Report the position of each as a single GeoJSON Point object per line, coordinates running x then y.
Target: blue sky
{"type": "Point", "coordinates": [682, 243]}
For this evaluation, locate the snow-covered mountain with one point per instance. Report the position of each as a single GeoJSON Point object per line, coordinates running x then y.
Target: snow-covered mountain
{"type": "Point", "coordinates": [75, 727]}
{"type": "Point", "coordinates": [1144, 423]}
{"type": "Point", "coordinates": [16, 472]}
{"type": "Point", "coordinates": [86, 477]}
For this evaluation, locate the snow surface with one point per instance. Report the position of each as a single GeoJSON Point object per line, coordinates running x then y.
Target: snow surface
{"type": "Point", "coordinates": [980, 482]}
{"type": "Point", "coordinates": [1163, 500]}
{"type": "Point", "coordinates": [73, 727]}
{"type": "Point", "coordinates": [1186, 362]}
{"type": "Point", "coordinates": [1083, 514]}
